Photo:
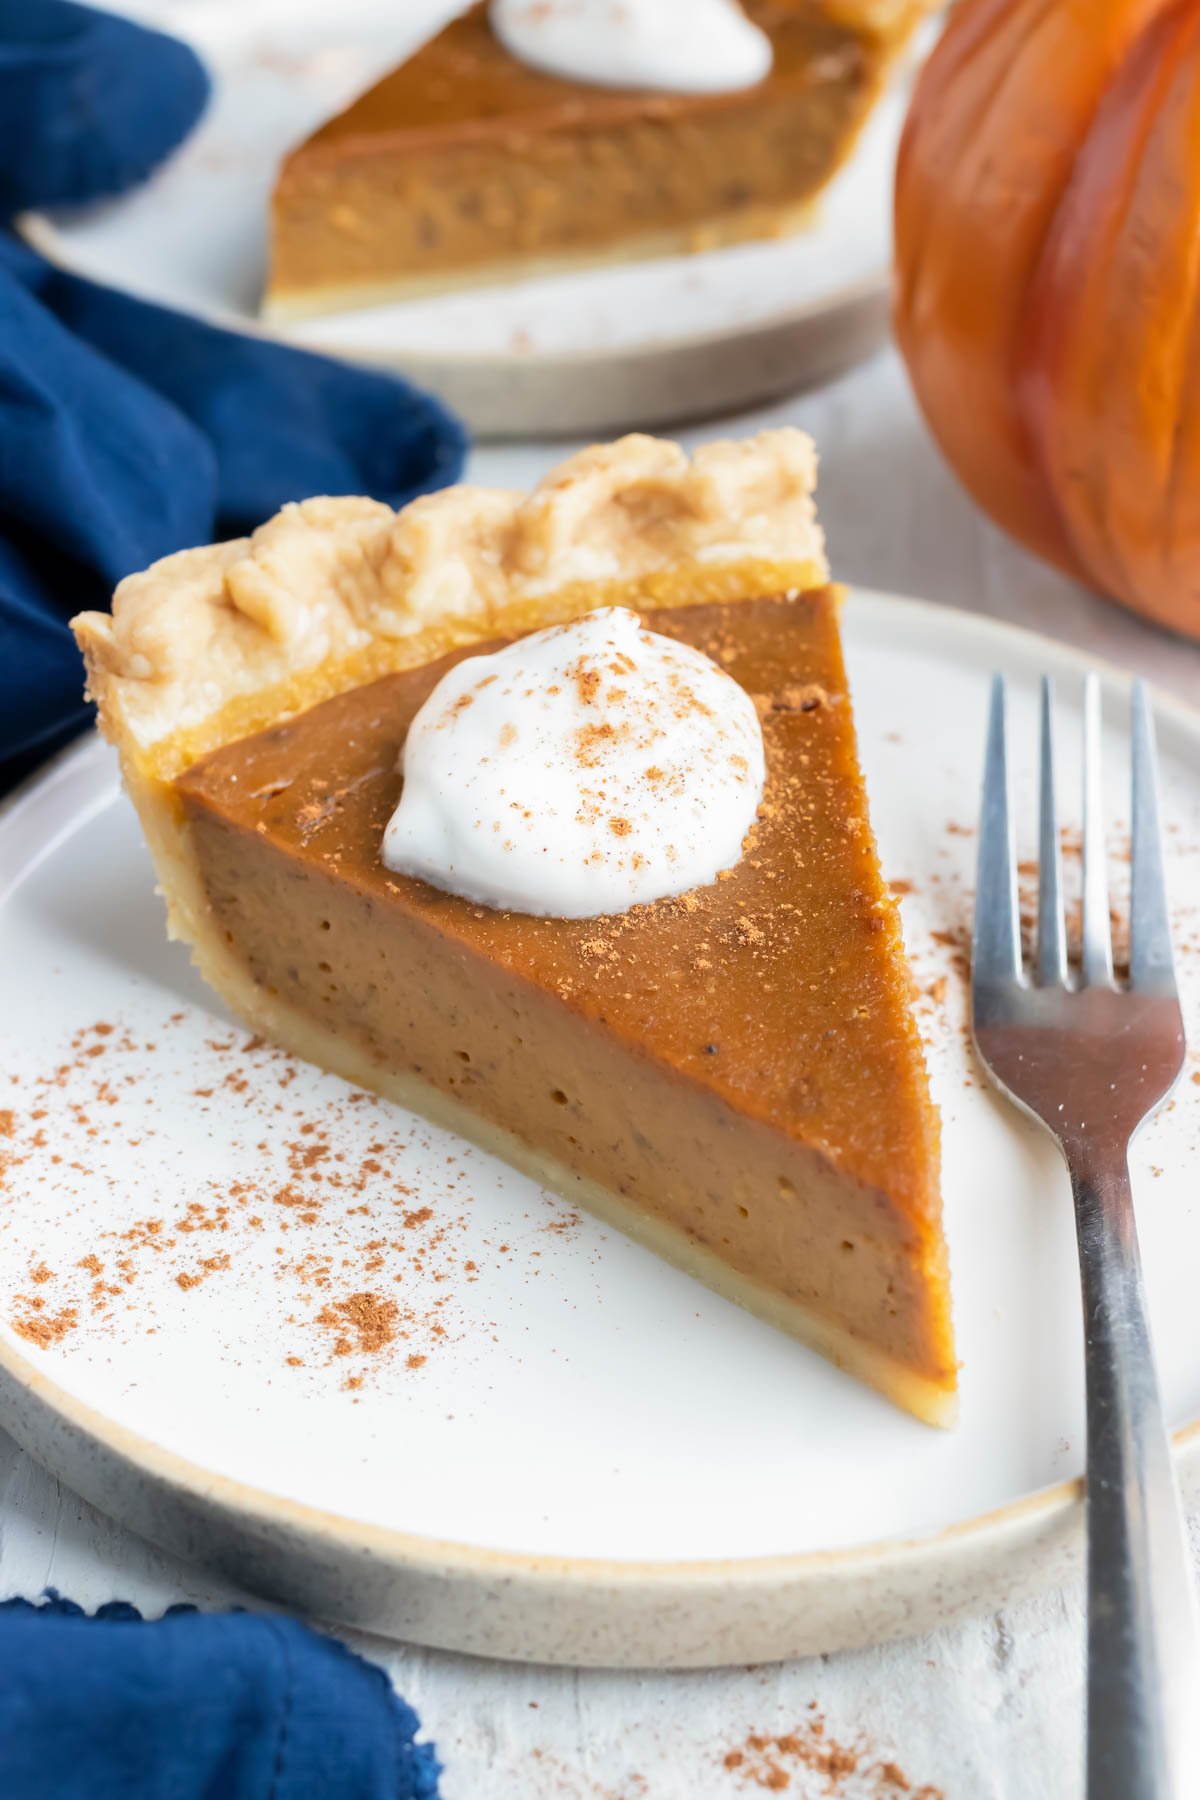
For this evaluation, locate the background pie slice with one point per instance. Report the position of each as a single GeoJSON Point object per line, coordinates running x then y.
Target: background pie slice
{"type": "Point", "coordinates": [465, 165]}
{"type": "Point", "coordinates": [734, 1076]}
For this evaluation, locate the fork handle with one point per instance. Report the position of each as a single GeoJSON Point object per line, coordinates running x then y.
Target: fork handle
{"type": "Point", "coordinates": [1143, 1660]}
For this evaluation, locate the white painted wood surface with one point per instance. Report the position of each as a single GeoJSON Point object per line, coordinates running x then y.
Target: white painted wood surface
{"type": "Point", "coordinates": [990, 1711]}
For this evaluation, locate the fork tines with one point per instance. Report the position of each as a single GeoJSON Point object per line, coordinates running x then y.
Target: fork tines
{"type": "Point", "coordinates": [997, 954]}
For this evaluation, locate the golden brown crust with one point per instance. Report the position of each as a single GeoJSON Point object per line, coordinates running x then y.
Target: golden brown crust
{"type": "Point", "coordinates": [211, 643]}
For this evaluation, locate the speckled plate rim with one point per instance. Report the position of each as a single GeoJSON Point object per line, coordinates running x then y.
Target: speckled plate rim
{"type": "Point", "coordinates": [40, 232]}
{"type": "Point", "coordinates": [580, 1611]}
{"type": "Point", "coordinates": [574, 393]}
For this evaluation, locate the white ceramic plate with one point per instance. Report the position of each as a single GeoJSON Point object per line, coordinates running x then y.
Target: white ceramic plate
{"type": "Point", "coordinates": [647, 344]}
{"type": "Point", "coordinates": [575, 1452]}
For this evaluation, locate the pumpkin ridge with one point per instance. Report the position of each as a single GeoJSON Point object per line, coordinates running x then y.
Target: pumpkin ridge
{"type": "Point", "coordinates": [1063, 359]}
{"type": "Point", "coordinates": [1184, 343]}
{"type": "Point", "coordinates": [990, 33]}
{"type": "Point", "coordinates": [1177, 487]}
{"type": "Point", "coordinates": [978, 183]}
{"type": "Point", "coordinates": [1047, 294]}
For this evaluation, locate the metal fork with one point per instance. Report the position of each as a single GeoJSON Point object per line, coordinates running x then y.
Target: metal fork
{"type": "Point", "coordinates": [1092, 1058]}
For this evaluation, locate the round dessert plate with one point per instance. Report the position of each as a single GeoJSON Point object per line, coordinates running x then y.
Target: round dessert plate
{"type": "Point", "coordinates": [299, 1335]}
{"type": "Point", "coordinates": [645, 344]}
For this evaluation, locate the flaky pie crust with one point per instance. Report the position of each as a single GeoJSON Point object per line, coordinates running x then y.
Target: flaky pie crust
{"type": "Point", "coordinates": [212, 644]}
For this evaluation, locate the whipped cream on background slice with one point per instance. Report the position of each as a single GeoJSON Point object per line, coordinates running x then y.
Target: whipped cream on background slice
{"type": "Point", "coordinates": [583, 770]}
{"type": "Point", "coordinates": [681, 46]}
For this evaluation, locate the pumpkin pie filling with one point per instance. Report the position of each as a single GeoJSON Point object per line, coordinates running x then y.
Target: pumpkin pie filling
{"type": "Point", "coordinates": [732, 1075]}
{"type": "Point", "coordinates": [750, 1023]}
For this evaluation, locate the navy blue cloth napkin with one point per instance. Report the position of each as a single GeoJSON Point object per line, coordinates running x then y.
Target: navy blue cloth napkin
{"type": "Point", "coordinates": [126, 430]}
{"type": "Point", "coordinates": [196, 1706]}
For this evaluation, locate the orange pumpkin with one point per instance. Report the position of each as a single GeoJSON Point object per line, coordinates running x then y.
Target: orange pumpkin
{"type": "Point", "coordinates": [1048, 281]}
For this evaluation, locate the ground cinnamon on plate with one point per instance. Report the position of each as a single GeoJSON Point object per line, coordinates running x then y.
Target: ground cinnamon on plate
{"type": "Point", "coordinates": [367, 1263]}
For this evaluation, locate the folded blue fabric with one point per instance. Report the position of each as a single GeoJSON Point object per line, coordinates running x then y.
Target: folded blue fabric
{"type": "Point", "coordinates": [89, 103]}
{"type": "Point", "coordinates": [196, 1706]}
{"type": "Point", "coordinates": [127, 430]}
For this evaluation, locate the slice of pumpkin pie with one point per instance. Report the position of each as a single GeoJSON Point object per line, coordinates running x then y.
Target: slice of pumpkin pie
{"type": "Point", "coordinates": [470, 163]}
{"type": "Point", "coordinates": [542, 815]}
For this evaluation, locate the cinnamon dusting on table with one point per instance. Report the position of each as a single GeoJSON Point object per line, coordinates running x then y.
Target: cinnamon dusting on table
{"type": "Point", "coordinates": [794, 1760]}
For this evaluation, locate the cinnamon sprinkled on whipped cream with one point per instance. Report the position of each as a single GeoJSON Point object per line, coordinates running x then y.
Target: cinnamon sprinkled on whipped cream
{"type": "Point", "coordinates": [709, 47]}
{"type": "Point", "coordinates": [581, 771]}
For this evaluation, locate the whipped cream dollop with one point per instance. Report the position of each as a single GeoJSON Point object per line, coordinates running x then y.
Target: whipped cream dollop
{"type": "Point", "coordinates": [583, 770]}
{"type": "Point", "coordinates": [681, 46]}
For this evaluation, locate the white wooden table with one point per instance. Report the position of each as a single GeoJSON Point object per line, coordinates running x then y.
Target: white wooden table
{"type": "Point", "coordinates": [990, 1711]}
